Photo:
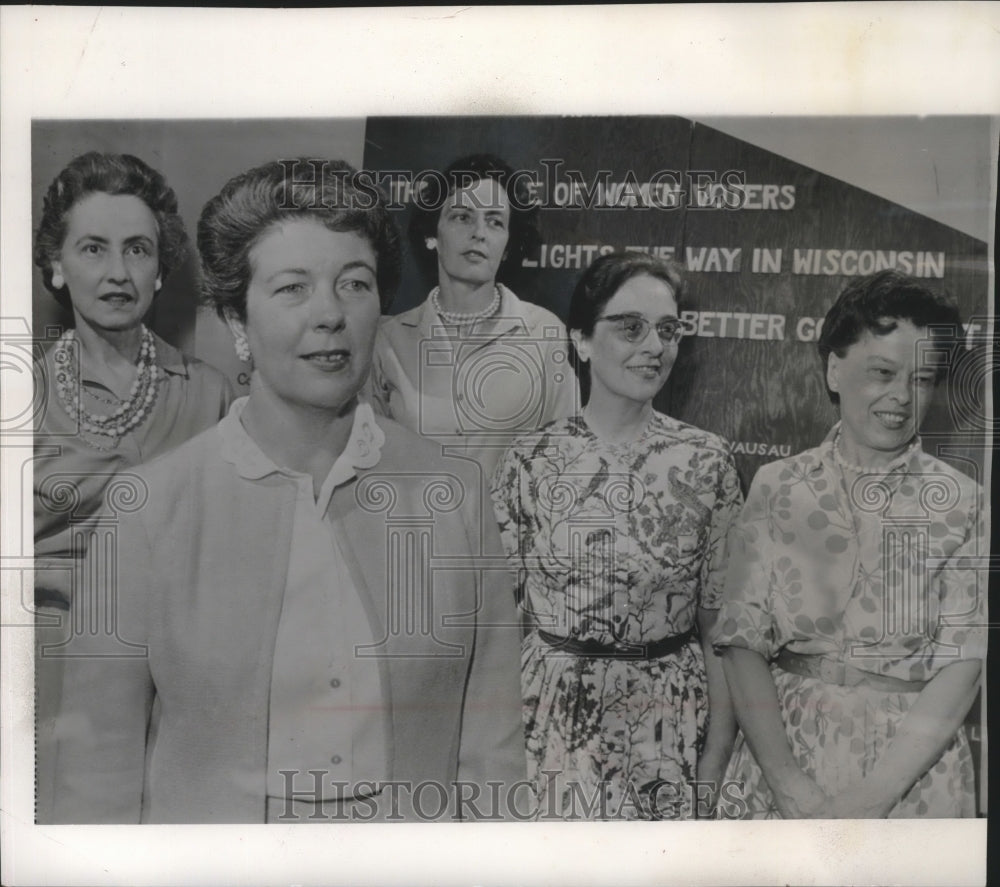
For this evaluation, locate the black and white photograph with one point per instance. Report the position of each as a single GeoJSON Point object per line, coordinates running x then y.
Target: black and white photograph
{"type": "Point", "coordinates": [552, 482]}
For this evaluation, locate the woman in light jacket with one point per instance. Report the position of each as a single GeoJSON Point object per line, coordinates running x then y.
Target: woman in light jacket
{"type": "Point", "coordinates": [285, 646]}
{"type": "Point", "coordinates": [473, 365]}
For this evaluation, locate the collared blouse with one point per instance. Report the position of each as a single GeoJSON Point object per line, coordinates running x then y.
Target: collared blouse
{"type": "Point", "coordinates": [884, 575]}
{"type": "Point", "coordinates": [474, 392]}
{"type": "Point", "coordinates": [180, 733]}
{"type": "Point", "coordinates": [327, 711]}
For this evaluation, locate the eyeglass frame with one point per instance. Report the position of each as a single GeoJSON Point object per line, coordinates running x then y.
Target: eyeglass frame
{"type": "Point", "coordinates": [675, 322]}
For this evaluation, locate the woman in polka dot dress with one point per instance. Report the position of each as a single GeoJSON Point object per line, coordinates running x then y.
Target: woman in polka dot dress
{"type": "Point", "coordinates": [852, 630]}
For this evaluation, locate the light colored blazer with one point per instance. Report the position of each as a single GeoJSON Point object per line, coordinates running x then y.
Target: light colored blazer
{"type": "Point", "coordinates": [506, 375]}
{"type": "Point", "coordinates": [200, 581]}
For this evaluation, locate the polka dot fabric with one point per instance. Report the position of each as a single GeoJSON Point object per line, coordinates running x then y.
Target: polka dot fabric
{"type": "Point", "coordinates": [837, 734]}
{"type": "Point", "coordinates": [868, 570]}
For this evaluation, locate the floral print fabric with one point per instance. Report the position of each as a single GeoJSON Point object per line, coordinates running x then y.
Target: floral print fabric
{"type": "Point", "coordinates": [618, 544]}
{"type": "Point", "coordinates": [877, 571]}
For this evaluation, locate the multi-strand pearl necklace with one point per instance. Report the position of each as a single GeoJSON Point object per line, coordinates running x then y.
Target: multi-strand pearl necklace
{"type": "Point", "coordinates": [859, 469]}
{"type": "Point", "coordinates": [463, 318]}
{"type": "Point", "coordinates": [131, 414]}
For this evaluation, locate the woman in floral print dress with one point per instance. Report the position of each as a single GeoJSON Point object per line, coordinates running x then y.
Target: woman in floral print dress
{"type": "Point", "coordinates": [616, 522]}
{"type": "Point", "coordinates": [852, 629]}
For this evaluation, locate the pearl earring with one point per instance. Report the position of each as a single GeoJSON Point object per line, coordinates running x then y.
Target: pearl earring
{"type": "Point", "coordinates": [242, 348]}
{"type": "Point", "coordinates": [57, 281]}
{"type": "Point", "coordinates": [430, 242]}
{"type": "Point", "coordinates": [158, 284]}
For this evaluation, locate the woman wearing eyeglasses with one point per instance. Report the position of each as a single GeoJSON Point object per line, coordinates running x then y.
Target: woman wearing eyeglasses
{"type": "Point", "coordinates": [615, 521]}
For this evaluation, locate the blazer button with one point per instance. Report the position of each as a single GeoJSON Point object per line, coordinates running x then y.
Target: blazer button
{"type": "Point", "coordinates": [336, 759]}
{"type": "Point", "coordinates": [335, 683]}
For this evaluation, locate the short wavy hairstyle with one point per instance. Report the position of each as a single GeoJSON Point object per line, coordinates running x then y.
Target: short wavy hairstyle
{"type": "Point", "coordinates": [597, 286]}
{"type": "Point", "coordinates": [115, 174]}
{"type": "Point", "coordinates": [876, 303]}
{"type": "Point", "coordinates": [523, 239]}
{"type": "Point", "coordinates": [331, 192]}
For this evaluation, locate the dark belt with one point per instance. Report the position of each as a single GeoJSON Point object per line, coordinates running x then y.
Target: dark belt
{"type": "Point", "coordinates": [833, 671]}
{"type": "Point", "coordinates": [596, 650]}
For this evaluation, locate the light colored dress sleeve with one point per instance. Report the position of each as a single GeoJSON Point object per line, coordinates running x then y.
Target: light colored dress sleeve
{"type": "Point", "coordinates": [746, 617]}
{"type": "Point", "coordinates": [725, 512]}
{"type": "Point", "coordinates": [961, 594]}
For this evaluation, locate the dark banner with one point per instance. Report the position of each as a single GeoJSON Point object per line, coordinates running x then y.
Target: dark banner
{"type": "Point", "coordinates": [767, 243]}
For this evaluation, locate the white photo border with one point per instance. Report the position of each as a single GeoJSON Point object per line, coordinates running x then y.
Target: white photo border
{"type": "Point", "coordinates": [699, 60]}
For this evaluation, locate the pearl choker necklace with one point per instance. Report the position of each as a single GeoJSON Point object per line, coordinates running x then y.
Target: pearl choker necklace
{"type": "Point", "coordinates": [858, 469]}
{"type": "Point", "coordinates": [463, 318]}
{"type": "Point", "coordinates": [132, 413]}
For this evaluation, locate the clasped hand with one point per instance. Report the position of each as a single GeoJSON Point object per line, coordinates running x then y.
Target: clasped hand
{"type": "Point", "coordinates": [802, 798]}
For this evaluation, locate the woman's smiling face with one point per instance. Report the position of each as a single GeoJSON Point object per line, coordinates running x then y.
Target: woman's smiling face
{"type": "Point", "coordinates": [885, 383]}
{"type": "Point", "coordinates": [636, 370]}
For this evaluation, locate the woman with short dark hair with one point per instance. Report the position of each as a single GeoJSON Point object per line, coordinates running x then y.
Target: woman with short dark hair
{"type": "Point", "coordinates": [431, 199]}
{"type": "Point", "coordinates": [111, 174]}
{"type": "Point", "coordinates": [277, 557]}
{"type": "Point", "coordinates": [852, 634]}
{"type": "Point", "coordinates": [114, 393]}
{"type": "Point", "coordinates": [615, 522]}
{"type": "Point", "coordinates": [473, 364]}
